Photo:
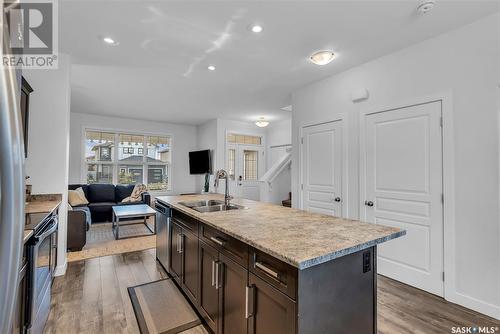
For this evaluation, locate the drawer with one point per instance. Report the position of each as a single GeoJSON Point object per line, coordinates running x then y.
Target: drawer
{"type": "Point", "coordinates": [233, 248]}
{"type": "Point", "coordinates": [279, 274]}
{"type": "Point", "coordinates": [186, 222]}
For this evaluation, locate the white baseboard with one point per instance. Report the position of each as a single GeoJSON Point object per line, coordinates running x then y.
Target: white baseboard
{"type": "Point", "coordinates": [61, 269]}
{"type": "Point", "coordinates": [477, 305]}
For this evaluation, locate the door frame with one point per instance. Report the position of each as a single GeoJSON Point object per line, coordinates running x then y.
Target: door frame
{"type": "Point", "coordinates": [448, 177]}
{"type": "Point", "coordinates": [344, 171]}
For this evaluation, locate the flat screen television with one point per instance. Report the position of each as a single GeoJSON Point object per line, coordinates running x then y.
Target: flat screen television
{"type": "Point", "coordinates": [200, 162]}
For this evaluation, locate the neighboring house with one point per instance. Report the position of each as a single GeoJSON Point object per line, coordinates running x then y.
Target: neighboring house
{"type": "Point", "coordinates": [132, 161]}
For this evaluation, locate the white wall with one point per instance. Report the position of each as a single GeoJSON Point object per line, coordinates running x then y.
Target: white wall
{"type": "Point", "coordinates": [207, 140]}
{"type": "Point", "coordinates": [47, 161]}
{"type": "Point", "coordinates": [465, 62]}
{"type": "Point", "coordinates": [183, 141]}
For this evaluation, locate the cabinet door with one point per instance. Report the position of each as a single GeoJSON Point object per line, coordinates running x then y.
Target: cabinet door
{"type": "Point", "coordinates": [233, 282]}
{"type": "Point", "coordinates": [190, 265]}
{"type": "Point", "coordinates": [175, 252]}
{"type": "Point", "coordinates": [270, 310]}
{"type": "Point", "coordinates": [209, 294]}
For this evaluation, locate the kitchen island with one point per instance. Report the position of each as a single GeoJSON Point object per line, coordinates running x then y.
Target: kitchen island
{"type": "Point", "coordinates": [270, 269]}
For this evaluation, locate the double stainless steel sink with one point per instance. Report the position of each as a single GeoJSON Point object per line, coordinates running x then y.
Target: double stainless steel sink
{"type": "Point", "coordinates": [211, 206]}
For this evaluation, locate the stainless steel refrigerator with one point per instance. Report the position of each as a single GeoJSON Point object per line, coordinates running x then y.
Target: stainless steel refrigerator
{"type": "Point", "coordinates": [11, 180]}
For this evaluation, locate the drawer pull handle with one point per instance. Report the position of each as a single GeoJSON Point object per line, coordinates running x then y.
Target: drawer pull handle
{"type": "Point", "coordinates": [218, 241]}
{"type": "Point", "coordinates": [267, 270]}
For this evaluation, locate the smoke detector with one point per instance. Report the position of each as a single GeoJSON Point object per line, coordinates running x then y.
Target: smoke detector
{"type": "Point", "coordinates": [425, 6]}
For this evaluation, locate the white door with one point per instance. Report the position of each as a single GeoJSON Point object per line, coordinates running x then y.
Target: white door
{"type": "Point", "coordinates": [245, 164]}
{"type": "Point", "coordinates": [402, 169]}
{"type": "Point", "coordinates": [322, 168]}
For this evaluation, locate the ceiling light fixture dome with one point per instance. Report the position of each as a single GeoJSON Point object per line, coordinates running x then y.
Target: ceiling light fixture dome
{"type": "Point", "coordinates": [322, 57]}
{"type": "Point", "coordinates": [262, 123]}
{"type": "Point", "coordinates": [211, 67]}
{"type": "Point", "coordinates": [257, 28]}
{"type": "Point", "coordinates": [110, 41]}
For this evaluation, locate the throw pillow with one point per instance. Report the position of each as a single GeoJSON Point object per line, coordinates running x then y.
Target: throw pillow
{"type": "Point", "coordinates": [77, 197]}
{"type": "Point", "coordinates": [136, 194]}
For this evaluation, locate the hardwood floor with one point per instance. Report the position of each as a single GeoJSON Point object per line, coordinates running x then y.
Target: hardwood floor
{"type": "Point", "coordinates": [92, 298]}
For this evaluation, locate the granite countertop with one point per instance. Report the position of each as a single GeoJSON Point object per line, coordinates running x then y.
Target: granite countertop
{"type": "Point", "coordinates": [42, 203]}
{"type": "Point", "coordinates": [297, 237]}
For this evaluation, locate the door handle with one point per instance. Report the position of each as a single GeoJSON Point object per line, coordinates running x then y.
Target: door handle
{"type": "Point", "coordinates": [369, 203]}
{"type": "Point", "coordinates": [337, 199]}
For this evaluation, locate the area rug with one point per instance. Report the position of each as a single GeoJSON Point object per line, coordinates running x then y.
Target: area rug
{"type": "Point", "coordinates": [160, 308]}
{"type": "Point", "coordinates": [101, 241]}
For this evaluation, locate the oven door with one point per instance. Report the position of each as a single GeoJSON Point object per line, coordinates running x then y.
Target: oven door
{"type": "Point", "coordinates": [42, 257]}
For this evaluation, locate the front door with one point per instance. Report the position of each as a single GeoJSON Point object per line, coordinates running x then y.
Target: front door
{"type": "Point", "coordinates": [322, 168]}
{"type": "Point", "coordinates": [402, 170]}
{"type": "Point", "coordinates": [245, 164]}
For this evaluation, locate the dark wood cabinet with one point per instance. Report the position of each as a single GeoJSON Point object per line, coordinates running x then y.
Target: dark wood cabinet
{"type": "Point", "coordinates": [233, 284]}
{"type": "Point", "coordinates": [189, 277]}
{"type": "Point", "coordinates": [184, 259]}
{"type": "Point", "coordinates": [175, 252]}
{"type": "Point", "coordinates": [270, 310]}
{"type": "Point", "coordinates": [223, 284]}
{"type": "Point", "coordinates": [209, 294]}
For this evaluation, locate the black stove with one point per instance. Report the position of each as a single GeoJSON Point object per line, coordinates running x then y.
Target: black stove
{"type": "Point", "coordinates": [36, 221]}
{"type": "Point", "coordinates": [42, 251]}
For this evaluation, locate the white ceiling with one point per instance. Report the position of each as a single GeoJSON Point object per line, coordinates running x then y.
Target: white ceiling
{"type": "Point", "coordinates": [159, 69]}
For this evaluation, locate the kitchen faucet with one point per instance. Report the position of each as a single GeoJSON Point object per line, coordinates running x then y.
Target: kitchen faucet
{"type": "Point", "coordinates": [222, 174]}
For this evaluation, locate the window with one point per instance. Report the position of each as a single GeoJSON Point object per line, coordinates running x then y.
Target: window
{"type": "Point", "coordinates": [250, 165]}
{"type": "Point", "coordinates": [231, 162]}
{"type": "Point", "coordinates": [243, 139]}
{"type": "Point", "coordinates": [138, 159]}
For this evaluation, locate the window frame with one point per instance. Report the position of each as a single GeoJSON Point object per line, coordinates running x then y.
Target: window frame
{"type": "Point", "coordinates": [115, 163]}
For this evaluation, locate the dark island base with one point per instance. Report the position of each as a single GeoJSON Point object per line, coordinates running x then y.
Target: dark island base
{"type": "Point", "coordinates": [339, 296]}
{"type": "Point", "coordinates": [238, 289]}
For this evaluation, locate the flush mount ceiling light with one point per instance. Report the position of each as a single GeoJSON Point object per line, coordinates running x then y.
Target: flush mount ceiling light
{"type": "Point", "coordinates": [256, 28]}
{"type": "Point", "coordinates": [322, 57]}
{"type": "Point", "coordinates": [262, 123]}
{"type": "Point", "coordinates": [110, 41]}
{"type": "Point", "coordinates": [211, 67]}
{"type": "Point", "coordinates": [425, 6]}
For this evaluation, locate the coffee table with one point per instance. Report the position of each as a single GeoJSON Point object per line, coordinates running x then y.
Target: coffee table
{"type": "Point", "coordinates": [121, 212]}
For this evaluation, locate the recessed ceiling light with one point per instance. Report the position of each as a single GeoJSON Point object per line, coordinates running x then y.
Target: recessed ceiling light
{"type": "Point", "coordinates": [322, 57]}
{"type": "Point", "coordinates": [110, 41]}
{"type": "Point", "coordinates": [211, 68]}
{"type": "Point", "coordinates": [262, 123]}
{"type": "Point", "coordinates": [257, 28]}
